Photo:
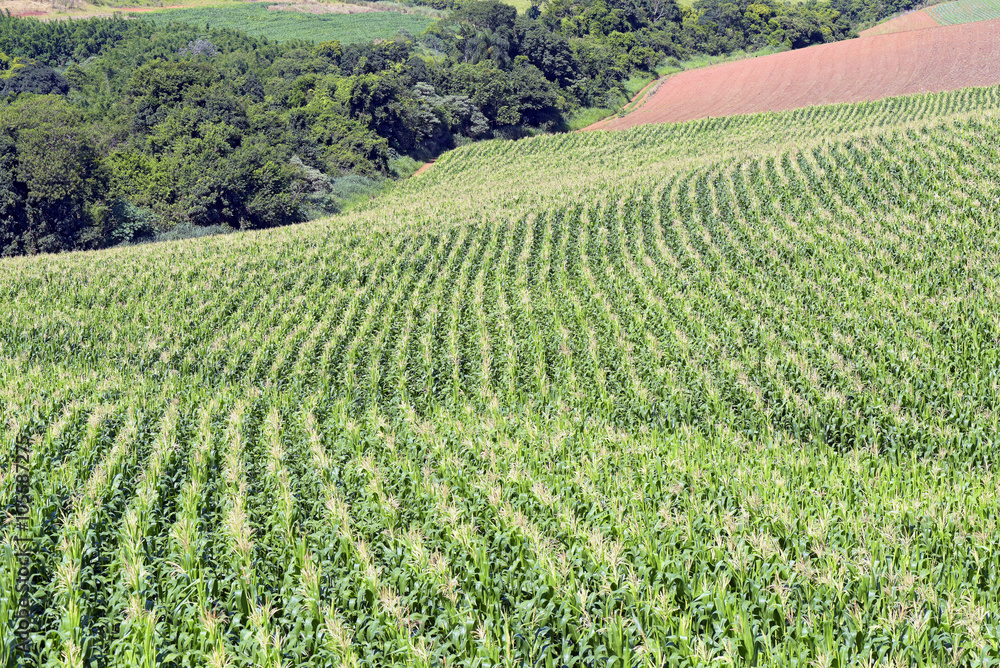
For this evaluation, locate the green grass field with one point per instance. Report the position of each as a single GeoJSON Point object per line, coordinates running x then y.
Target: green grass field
{"type": "Point", "coordinates": [722, 392]}
{"type": "Point", "coordinates": [965, 11]}
{"type": "Point", "coordinates": [522, 6]}
{"type": "Point", "coordinates": [256, 20]}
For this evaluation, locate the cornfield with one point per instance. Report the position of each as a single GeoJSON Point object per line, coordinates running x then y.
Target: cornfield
{"type": "Point", "coordinates": [725, 391]}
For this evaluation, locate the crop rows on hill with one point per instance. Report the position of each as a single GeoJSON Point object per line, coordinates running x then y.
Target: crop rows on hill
{"type": "Point", "coordinates": [725, 390]}
{"type": "Point", "coordinates": [965, 11]}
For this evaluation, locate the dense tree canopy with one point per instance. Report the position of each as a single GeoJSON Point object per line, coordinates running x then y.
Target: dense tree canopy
{"type": "Point", "coordinates": [50, 176]}
{"type": "Point", "coordinates": [158, 127]}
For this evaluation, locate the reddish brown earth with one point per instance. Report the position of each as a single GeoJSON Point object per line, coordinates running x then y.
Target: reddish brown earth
{"type": "Point", "coordinates": [423, 168]}
{"type": "Point", "coordinates": [637, 100]}
{"type": "Point", "coordinates": [917, 20]}
{"type": "Point", "coordinates": [74, 9]}
{"type": "Point", "coordinates": [868, 68]}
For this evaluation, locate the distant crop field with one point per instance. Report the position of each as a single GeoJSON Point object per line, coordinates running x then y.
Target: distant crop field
{"type": "Point", "coordinates": [257, 20]}
{"type": "Point", "coordinates": [965, 11]}
{"type": "Point", "coordinates": [936, 59]}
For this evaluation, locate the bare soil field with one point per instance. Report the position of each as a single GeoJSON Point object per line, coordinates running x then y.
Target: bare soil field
{"type": "Point", "coordinates": [423, 168]}
{"type": "Point", "coordinates": [74, 9]}
{"type": "Point", "coordinates": [868, 68]}
{"type": "Point", "coordinates": [26, 7]}
{"type": "Point", "coordinates": [917, 20]}
{"type": "Point", "coordinates": [637, 101]}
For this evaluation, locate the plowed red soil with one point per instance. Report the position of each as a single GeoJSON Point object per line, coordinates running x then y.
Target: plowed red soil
{"type": "Point", "coordinates": [80, 10]}
{"type": "Point", "coordinates": [869, 68]}
{"type": "Point", "coordinates": [917, 20]}
{"type": "Point", "coordinates": [423, 168]}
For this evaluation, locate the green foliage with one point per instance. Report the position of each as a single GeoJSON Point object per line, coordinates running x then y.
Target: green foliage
{"type": "Point", "coordinates": [725, 27]}
{"type": "Point", "coordinates": [59, 42]}
{"type": "Point", "coordinates": [181, 232]}
{"type": "Point", "coordinates": [204, 125]}
{"type": "Point", "coordinates": [586, 117]}
{"type": "Point", "coordinates": [34, 79]}
{"type": "Point", "coordinates": [348, 145]}
{"type": "Point", "coordinates": [716, 392]}
{"type": "Point", "coordinates": [18, 75]}
{"type": "Point", "coordinates": [354, 188]}
{"type": "Point", "coordinates": [866, 12]}
{"type": "Point", "coordinates": [403, 167]}
{"type": "Point", "coordinates": [129, 223]}
{"type": "Point", "coordinates": [219, 177]}
{"type": "Point", "coordinates": [52, 172]}
{"type": "Point", "coordinates": [189, 124]}
{"type": "Point", "coordinates": [551, 53]}
{"type": "Point", "coordinates": [9, 66]}
{"type": "Point", "coordinates": [488, 15]}
{"type": "Point", "coordinates": [521, 96]}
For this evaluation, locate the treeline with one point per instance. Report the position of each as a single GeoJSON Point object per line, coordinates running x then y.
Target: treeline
{"type": "Point", "coordinates": [187, 128]}
{"type": "Point", "coordinates": [661, 28]}
{"type": "Point", "coordinates": [170, 130]}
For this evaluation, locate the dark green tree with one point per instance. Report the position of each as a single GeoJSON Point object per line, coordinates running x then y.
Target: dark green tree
{"type": "Point", "coordinates": [52, 176]}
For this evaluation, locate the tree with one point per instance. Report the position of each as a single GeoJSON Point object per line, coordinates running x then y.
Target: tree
{"type": "Point", "coordinates": [800, 31]}
{"type": "Point", "coordinates": [343, 144]}
{"type": "Point", "coordinates": [9, 66]}
{"type": "Point", "coordinates": [490, 89]}
{"type": "Point", "coordinates": [663, 10]}
{"type": "Point", "coordinates": [550, 52]}
{"type": "Point", "coordinates": [19, 75]}
{"type": "Point", "coordinates": [488, 15]}
{"type": "Point", "coordinates": [53, 176]}
{"type": "Point", "coordinates": [13, 196]}
{"type": "Point", "coordinates": [219, 177]}
{"type": "Point", "coordinates": [538, 100]}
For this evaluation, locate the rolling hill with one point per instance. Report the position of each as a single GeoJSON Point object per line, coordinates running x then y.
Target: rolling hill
{"type": "Point", "coordinates": [948, 13]}
{"type": "Point", "coordinates": [869, 68]}
{"type": "Point", "coordinates": [721, 389]}
{"type": "Point", "coordinates": [915, 20]}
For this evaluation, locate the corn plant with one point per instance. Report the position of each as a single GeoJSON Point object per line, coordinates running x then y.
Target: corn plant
{"type": "Point", "coordinates": [721, 392]}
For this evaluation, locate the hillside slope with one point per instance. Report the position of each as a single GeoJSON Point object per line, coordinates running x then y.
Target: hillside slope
{"type": "Point", "coordinates": [947, 13]}
{"type": "Point", "coordinates": [915, 20]}
{"type": "Point", "coordinates": [869, 68]}
{"type": "Point", "coordinates": [726, 388]}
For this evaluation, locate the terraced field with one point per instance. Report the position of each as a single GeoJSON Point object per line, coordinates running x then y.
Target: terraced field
{"type": "Point", "coordinates": [723, 390]}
